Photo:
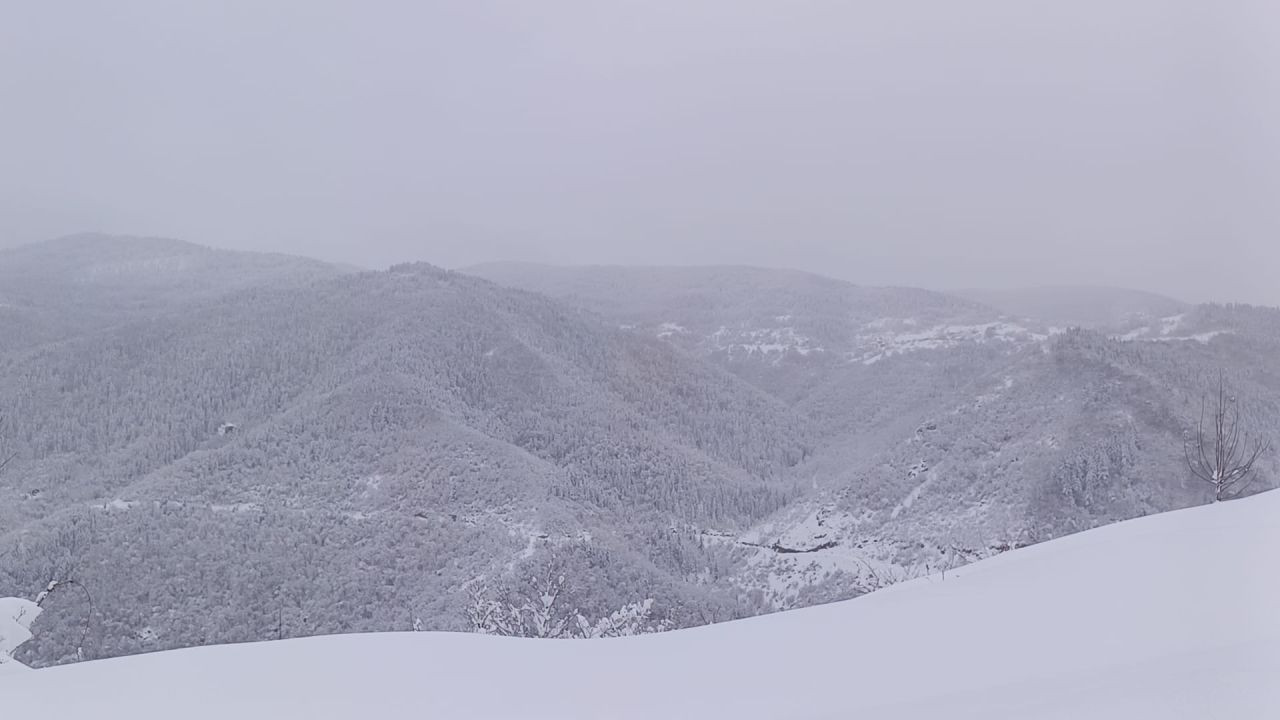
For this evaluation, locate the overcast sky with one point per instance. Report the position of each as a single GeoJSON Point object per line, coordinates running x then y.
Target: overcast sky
{"type": "Point", "coordinates": [935, 143]}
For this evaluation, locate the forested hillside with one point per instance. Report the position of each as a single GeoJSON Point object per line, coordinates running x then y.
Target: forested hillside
{"type": "Point", "coordinates": [1116, 623]}
{"type": "Point", "coordinates": [223, 446]}
{"type": "Point", "coordinates": [947, 430]}
{"type": "Point", "coordinates": [372, 441]}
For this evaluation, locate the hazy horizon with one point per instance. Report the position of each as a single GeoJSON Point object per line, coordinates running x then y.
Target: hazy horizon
{"type": "Point", "coordinates": [989, 145]}
{"type": "Point", "coordinates": [958, 290]}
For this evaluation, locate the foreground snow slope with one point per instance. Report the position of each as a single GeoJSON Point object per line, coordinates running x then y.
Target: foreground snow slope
{"type": "Point", "coordinates": [1170, 616]}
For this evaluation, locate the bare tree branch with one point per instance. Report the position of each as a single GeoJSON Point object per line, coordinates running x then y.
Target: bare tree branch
{"type": "Point", "coordinates": [1226, 460]}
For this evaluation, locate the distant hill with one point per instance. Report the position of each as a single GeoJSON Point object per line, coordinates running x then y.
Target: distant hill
{"type": "Point", "coordinates": [785, 331]}
{"type": "Point", "coordinates": [1094, 307]}
{"type": "Point", "coordinates": [54, 289]}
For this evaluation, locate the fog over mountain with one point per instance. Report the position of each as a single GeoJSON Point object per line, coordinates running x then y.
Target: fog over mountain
{"type": "Point", "coordinates": [1105, 308]}
{"type": "Point", "coordinates": [988, 144]}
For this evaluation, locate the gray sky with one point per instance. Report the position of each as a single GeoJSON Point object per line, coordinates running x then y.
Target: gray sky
{"type": "Point", "coordinates": [935, 143]}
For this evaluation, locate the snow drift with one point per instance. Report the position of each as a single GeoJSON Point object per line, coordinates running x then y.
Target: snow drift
{"type": "Point", "coordinates": [1169, 616]}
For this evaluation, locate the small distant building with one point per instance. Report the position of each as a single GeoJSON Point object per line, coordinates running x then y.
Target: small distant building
{"type": "Point", "coordinates": [228, 428]}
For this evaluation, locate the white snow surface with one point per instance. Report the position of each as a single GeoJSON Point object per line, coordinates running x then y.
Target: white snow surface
{"type": "Point", "coordinates": [1170, 616]}
{"type": "Point", "coordinates": [16, 616]}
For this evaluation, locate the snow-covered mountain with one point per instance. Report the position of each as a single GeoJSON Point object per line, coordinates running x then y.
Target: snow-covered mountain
{"type": "Point", "coordinates": [374, 440]}
{"type": "Point", "coordinates": [946, 430]}
{"type": "Point", "coordinates": [1171, 616]}
{"type": "Point", "coordinates": [288, 441]}
{"type": "Point", "coordinates": [783, 330]}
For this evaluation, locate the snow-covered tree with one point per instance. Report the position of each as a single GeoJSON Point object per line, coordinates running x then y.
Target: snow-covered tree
{"type": "Point", "coordinates": [489, 616]}
{"type": "Point", "coordinates": [540, 617]}
{"type": "Point", "coordinates": [543, 616]}
{"type": "Point", "coordinates": [631, 619]}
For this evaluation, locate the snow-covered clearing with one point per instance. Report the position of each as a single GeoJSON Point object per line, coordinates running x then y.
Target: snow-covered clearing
{"type": "Point", "coordinates": [1170, 616]}
{"type": "Point", "coordinates": [763, 342]}
{"type": "Point", "coordinates": [879, 345]}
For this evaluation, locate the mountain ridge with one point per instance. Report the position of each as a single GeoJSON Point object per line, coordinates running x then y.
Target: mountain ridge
{"type": "Point", "coordinates": [727, 441]}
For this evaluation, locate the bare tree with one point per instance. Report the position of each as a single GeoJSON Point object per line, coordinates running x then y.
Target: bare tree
{"type": "Point", "coordinates": [1222, 454]}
